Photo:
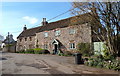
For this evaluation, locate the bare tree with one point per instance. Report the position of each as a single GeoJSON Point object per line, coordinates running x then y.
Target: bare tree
{"type": "Point", "coordinates": [105, 20]}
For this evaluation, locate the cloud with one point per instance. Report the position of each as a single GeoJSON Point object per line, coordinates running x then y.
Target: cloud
{"type": "Point", "coordinates": [31, 20]}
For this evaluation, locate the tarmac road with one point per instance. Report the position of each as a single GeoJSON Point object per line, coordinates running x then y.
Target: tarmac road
{"type": "Point", "coordinates": [15, 63]}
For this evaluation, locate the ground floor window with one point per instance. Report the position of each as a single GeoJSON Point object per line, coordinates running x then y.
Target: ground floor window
{"type": "Point", "coordinates": [45, 46]}
{"type": "Point", "coordinates": [30, 46]}
{"type": "Point", "coordinates": [72, 45]}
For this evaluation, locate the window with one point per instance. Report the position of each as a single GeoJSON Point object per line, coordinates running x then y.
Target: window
{"type": "Point", "coordinates": [25, 39]}
{"type": "Point", "coordinates": [57, 33]}
{"type": "Point", "coordinates": [99, 30]}
{"type": "Point", "coordinates": [20, 40]}
{"type": "Point", "coordinates": [30, 46]}
{"type": "Point", "coordinates": [45, 46]}
{"type": "Point", "coordinates": [71, 31]}
{"type": "Point", "coordinates": [30, 38]}
{"type": "Point", "coordinates": [46, 34]}
{"type": "Point", "coordinates": [72, 45]}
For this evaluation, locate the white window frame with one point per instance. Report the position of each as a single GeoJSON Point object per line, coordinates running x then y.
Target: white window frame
{"type": "Point", "coordinates": [72, 45]}
{"type": "Point", "coordinates": [46, 34]}
{"type": "Point", "coordinates": [72, 31]}
{"type": "Point", "coordinates": [57, 33]}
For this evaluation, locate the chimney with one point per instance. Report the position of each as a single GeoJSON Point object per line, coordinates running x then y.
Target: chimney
{"type": "Point", "coordinates": [44, 22]}
{"type": "Point", "coordinates": [24, 28]}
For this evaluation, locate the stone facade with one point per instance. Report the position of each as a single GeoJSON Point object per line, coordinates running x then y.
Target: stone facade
{"type": "Point", "coordinates": [26, 43]}
{"type": "Point", "coordinates": [62, 35]}
{"type": "Point", "coordinates": [82, 34]}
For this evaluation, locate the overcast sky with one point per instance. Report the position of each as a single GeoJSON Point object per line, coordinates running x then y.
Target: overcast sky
{"type": "Point", "coordinates": [16, 14]}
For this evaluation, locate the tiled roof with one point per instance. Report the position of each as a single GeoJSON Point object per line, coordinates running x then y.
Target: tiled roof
{"type": "Point", "coordinates": [29, 32]}
{"type": "Point", "coordinates": [81, 19]}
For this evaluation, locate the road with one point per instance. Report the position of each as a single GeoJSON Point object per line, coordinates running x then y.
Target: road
{"type": "Point", "coordinates": [14, 63]}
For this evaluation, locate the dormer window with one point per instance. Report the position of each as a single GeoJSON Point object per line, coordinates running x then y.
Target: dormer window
{"type": "Point", "coordinates": [57, 33]}
{"type": "Point", "coordinates": [46, 34]}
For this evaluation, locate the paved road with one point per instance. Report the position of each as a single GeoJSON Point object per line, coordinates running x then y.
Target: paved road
{"type": "Point", "coordinates": [13, 63]}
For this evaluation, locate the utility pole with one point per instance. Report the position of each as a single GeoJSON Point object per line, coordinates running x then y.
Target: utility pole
{"type": "Point", "coordinates": [8, 43]}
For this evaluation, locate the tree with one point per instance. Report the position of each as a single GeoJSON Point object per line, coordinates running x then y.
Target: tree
{"type": "Point", "coordinates": [105, 21]}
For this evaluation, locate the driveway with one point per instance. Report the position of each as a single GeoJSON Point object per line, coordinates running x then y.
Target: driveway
{"type": "Point", "coordinates": [14, 63]}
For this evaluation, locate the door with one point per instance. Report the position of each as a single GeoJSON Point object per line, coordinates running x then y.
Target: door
{"type": "Point", "coordinates": [55, 48]}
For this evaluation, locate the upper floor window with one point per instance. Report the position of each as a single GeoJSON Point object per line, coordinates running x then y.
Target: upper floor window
{"type": "Point", "coordinates": [57, 32]}
{"type": "Point", "coordinates": [71, 31]}
{"type": "Point", "coordinates": [30, 38]}
{"type": "Point", "coordinates": [25, 39]}
{"type": "Point", "coordinates": [20, 40]}
{"type": "Point", "coordinates": [46, 34]}
{"type": "Point", "coordinates": [72, 45]}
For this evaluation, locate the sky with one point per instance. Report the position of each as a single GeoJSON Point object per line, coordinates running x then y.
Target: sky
{"type": "Point", "coordinates": [14, 15]}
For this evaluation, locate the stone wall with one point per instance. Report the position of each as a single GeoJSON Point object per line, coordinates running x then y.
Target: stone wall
{"type": "Point", "coordinates": [82, 34]}
{"type": "Point", "coordinates": [28, 44]}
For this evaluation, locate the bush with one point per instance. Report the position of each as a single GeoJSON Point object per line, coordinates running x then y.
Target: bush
{"type": "Point", "coordinates": [85, 49]}
{"type": "Point", "coordinates": [44, 51]}
{"type": "Point", "coordinates": [86, 63]}
{"type": "Point", "coordinates": [41, 51]}
{"type": "Point", "coordinates": [31, 51]}
{"type": "Point", "coordinates": [37, 50]}
{"type": "Point", "coordinates": [101, 63]}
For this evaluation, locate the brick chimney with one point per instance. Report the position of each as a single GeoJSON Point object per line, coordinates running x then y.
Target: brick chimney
{"type": "Point", "coordinates": [24, 28]}
{"type": "Point", "coordinates": [44, 22]}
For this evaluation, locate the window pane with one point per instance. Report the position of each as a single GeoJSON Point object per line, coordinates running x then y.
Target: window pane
{"type": "Point", "coordinates": [71, 31]}
{"type": "Point", "coordinates": [46, 34]}
{"type": "Point", "coordinates": [57, 33]}
{"type": "Point", "coordinates": [72, 45]}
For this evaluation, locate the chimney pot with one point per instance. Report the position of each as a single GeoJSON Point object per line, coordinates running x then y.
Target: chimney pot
{"type": "Point", "coordinates": [44, 22]}
{"type": "Point", "coordinates": [25, 28]}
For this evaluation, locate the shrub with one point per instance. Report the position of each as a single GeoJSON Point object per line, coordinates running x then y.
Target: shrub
{"type": "Point", "coordinates": [101, 63]}
{"type": "Point", "coordinates": [31, 51]}
{"type": "Point", "coordinates": [86, 63]}
{"type": "Point", "coordinates": [37, 50]}
{"type": "Point", "coordinates": [44, 51]}
{"type": "Point", "coordinates": [41, 51]}
{"type": "Point", "coordinates": [91, 63]}
{"type": "Point", "coordinates": [85, 49]}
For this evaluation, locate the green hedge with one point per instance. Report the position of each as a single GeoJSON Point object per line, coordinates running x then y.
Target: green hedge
{"type": "Point", "coordinates": [32, 51]}
{"type": "Point", "coordinates": [38, 50]}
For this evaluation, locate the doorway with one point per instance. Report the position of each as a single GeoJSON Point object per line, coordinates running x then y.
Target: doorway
{"type": "Point", "coordinates": [55, 48]}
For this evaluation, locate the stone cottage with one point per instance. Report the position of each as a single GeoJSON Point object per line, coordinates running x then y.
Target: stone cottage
{"type": "Point", "coordinates": [9, 44]}
{"type": "Point", "coordinates": [61, 35]}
